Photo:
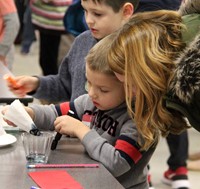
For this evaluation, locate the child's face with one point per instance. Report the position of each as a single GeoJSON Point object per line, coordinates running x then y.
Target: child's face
{"type": "Point", "coordinates": [101, 19]}
{"type": "Point", "coordinates": [106, 91]}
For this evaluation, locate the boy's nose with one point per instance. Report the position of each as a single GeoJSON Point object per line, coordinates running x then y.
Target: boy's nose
{"type": "Point", "coordinates": [89, 20]}
{"type": "Point", "coordinates": [92, 93]}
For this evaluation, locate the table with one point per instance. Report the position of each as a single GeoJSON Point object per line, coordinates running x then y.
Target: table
{"type": "Point", "coordinates": [7, 97]}
{"type": "Point", "coordinates": [13, 171]}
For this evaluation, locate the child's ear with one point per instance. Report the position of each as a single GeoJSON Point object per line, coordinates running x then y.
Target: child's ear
{"type": "Point", "coordinates": [128, 10]}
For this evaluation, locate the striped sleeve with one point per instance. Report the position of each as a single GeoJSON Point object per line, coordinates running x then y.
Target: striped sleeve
{"type": "Point", "coordinates": [49, 15]}
{"type": "Point", "coordinates": [128, 149]}
{"type": "Point", "coordinates": [62, 2]}
{"type": "Point", "coordinates": [63, 109]}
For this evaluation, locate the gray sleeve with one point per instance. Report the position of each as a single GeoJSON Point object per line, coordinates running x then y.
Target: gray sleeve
{"type": "Point", "coordinates": [45, 116]}
{"type": "Point", "coordinates": [99, 149]}
{"type": "Point", "coordinates": [55, 87]}
{"type": "Point", "coordinates": [69, 83]}
{"type": "Point", "coordinates": [11, 30]}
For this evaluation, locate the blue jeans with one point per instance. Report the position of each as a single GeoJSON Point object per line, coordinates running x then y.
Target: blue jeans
{"type": "Point", "coordinates": [28, 36]}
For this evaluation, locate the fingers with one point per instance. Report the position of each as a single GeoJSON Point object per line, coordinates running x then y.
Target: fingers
{"type": "Point", "coordinates": [9, 122]}
{"type": "Point", "coordinates": [3, 111]}
{"type": "Point", "coordinates": [60, 119]}
{"type": "Point", "coordinates": [57, 124]}
{"type": "Point", "coordinates": [15, 86]}
{"type": "Point", "coordinates": [61, 125]}
{"type": "Point", "coordinates": [20, 85]}
{"type": "Point", "coordinates": [57, 127]}
{"type": "Point", "coordinates": [11, 81]}
{"type": "Point", "coordinates": [20, 92]}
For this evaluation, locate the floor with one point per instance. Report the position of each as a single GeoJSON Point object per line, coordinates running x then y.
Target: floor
{"type": "Point", "coordinates": [28, 65]}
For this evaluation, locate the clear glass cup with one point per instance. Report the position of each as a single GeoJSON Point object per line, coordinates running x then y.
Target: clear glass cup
{"type": "Point", "coordinates": [37, 148]}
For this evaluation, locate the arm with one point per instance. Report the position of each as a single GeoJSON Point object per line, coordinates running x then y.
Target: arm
{"type": "Point", "coordinates": [117, 159]}
{"type": "Point", "coordinates": [44, 116]}
{"type": "Point", "coordinates": [65, 124]}
{"type": "Point", "coordinates": [49, 113]}
{"type": "Point", "coordinates": [52, 87]}
{"type": "Point", "coordinates": [11, 29]}
{"type": "Point", "coordinates": [55, 87]}
{"type": "Point", "coordinates": [69, 83]}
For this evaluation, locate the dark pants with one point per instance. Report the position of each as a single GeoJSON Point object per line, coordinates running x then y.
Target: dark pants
{"type": "Point", "coordinates": [178, 147]}
{"type": "Point", "coordinates": [28, 36]}
{"type": "Point", "coordinates": [49, 48]}
{"type": "Point", "coordinates": [21, 7]}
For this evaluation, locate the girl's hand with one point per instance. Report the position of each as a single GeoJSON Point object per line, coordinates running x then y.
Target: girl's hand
{"type": "Point", "coordinates": [71, 126]}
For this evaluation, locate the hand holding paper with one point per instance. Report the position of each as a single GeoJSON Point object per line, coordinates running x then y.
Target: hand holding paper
{"type": "Point", "coordinates": [17, 114]}
{"type": "Point", "coordinates": [5, 139]}
{"type": "Point", "coordinates": [2, 131]}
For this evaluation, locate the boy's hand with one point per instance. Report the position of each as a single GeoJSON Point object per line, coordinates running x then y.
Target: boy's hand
{"type": "Point", "coordinates": [5, 108]}
{"type": "Point", "coordinates": [24, 85]}
{"type": "Point", "coordinates": [71, 126]}
{"type": "Point", "coordinates": [3, 111]}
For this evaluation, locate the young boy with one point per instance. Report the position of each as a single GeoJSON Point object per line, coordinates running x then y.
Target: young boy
{"type": "Point", "coordinates": [102, 17]}
{"type": "Point", "coordinates": [112, 137]}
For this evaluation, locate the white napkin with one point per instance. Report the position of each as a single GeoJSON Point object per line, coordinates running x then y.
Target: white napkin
{"type": "Point", "coordinates": [2, 131]}
{"type": "Point", "coordinates": [2, 123]}
{"type": "Point", "coordinates": [17, 114]}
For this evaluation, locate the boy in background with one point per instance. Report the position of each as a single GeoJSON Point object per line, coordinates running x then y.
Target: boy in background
{"type": "Point", "coordinates": [102, 17]}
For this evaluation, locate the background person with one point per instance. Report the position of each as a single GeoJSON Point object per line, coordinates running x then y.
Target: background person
{"type": "Point", "coordinates": [9, 26]}
{"type": "Point", "coordinates": [102, 19]}
{"type": "Point", "coordinates": [190, 10]}
{"type": "Point", "coordinates": [47, 17]}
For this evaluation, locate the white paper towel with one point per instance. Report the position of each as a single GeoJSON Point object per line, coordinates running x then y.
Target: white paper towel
{"type": "Point", "coordinates": [17, 114]}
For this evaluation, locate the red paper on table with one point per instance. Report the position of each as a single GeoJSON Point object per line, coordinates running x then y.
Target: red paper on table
{"type": "Point", "coordinates": [57, 179]}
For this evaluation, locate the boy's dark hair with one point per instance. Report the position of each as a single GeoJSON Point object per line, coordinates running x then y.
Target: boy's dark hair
{"type": "Point", "coordinates": [117, 4]}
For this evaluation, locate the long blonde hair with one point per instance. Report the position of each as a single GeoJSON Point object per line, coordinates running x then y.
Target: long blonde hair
{"type": "Point", "coordinates": [144, 51]}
